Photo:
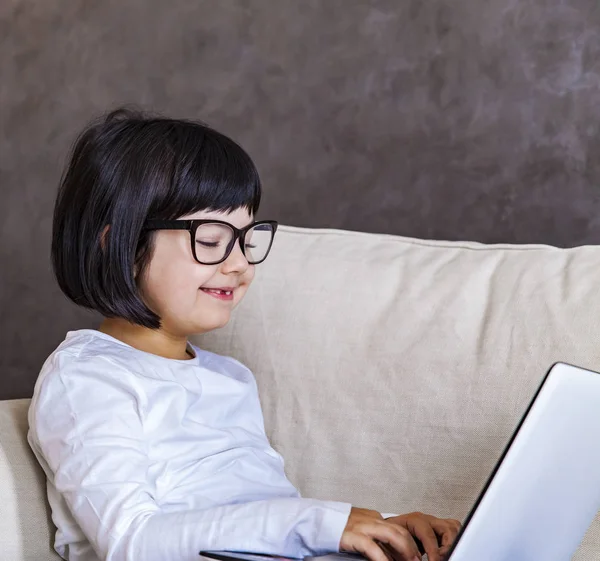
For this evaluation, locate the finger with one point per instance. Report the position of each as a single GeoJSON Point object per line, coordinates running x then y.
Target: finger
{"type": "Point", "coordinates": [371, 550]}
{"type": "Point", "coordinates": [389, 552]}
{"type": "Point", "coordinates": [400, 540]}
{"type": "Point", "coordinates": [447, 538]}
{"type": "Point", "coordinates": [456, 524]}
{"type": "Point", "coordinates": [421, 529]}
{"type": "Point", "coordinates": [444, 552]}
{"type": "Point", "coordinates": [446, 530]}
{"type": "Point", "coordinates": [419, 545]}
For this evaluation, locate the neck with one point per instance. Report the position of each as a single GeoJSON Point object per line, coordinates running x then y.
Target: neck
{"type": "Point", "coordinates": [155, 341]}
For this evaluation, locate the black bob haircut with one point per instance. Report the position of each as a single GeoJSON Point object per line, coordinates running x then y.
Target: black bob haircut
{"type": "Point", "coordinates": [125, 169]}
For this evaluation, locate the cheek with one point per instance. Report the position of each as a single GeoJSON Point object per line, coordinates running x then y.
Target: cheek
{"type": "Point", "coordinates": [245, 282]}
{"type": "Point", "coordinates": [170, 289]}
{"type": "Point", "coordinates": [171, 282]}
{"type": "Point", "coordinates": [249, 274]}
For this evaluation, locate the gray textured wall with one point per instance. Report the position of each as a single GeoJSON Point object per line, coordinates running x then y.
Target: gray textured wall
{"type": "Point", "coordinates": [472, 119]}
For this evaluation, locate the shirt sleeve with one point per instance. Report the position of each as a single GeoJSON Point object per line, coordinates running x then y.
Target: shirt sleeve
{"type": "Point", "coordinates": [88, 431]}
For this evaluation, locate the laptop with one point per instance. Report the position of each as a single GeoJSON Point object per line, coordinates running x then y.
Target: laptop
{"type": "Point", "coordinates": [544, 492]}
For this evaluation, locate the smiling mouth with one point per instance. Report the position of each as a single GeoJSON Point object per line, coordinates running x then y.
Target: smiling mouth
{"type": "Point", "coordinates": [219, 293]}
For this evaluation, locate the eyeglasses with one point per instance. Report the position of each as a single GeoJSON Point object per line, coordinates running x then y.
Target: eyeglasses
{"type": "Point", "coordinates": [213, 240]}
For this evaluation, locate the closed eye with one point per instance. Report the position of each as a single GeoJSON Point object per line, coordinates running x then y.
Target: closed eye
{"type": "Point", "coordinates": [207, 244]}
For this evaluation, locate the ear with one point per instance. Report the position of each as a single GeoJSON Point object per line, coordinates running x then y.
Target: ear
{"type": "Point", "coordinates": [103, 235]}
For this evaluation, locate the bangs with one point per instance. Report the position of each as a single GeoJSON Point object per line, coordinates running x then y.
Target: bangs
{"type": "Point", "coordinates": [209, 172]}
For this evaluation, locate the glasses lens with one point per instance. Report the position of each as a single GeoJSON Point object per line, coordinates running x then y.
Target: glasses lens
{"type": "Point", "coordinates": [258, 242]}
{"type": "Point", "coordinates": [213, 241]}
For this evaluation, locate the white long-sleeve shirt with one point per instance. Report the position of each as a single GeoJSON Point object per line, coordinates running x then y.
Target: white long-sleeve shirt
{"type": "Point", "coordinates": [156, 459]}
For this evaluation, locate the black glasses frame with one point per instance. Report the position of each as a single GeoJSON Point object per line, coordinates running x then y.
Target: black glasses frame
{"type": "Point", "coordinates": [191, 226]}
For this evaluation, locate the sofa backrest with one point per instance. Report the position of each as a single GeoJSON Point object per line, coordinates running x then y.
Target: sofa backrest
{"type": "Point", "coordinates": [393, 371]}
{"type": "Point", "coordinates": [26, 533]}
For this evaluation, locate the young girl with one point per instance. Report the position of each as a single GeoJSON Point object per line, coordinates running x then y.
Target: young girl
{"type": "Point", "coordinates": [153, 448]}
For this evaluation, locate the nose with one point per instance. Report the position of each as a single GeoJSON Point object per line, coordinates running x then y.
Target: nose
{"type": "Point", "coordinates": [236, 262]}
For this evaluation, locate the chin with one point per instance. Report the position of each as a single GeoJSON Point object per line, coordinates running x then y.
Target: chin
{"type": "Point", "coordinates": [214, 322]}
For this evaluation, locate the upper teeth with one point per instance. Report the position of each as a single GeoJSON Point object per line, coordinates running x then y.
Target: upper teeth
{"type": "Point", "coordinates": [218, 291]}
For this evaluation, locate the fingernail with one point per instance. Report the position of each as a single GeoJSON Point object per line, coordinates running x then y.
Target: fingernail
{"type": "Point", "coordinates": [417, 559]}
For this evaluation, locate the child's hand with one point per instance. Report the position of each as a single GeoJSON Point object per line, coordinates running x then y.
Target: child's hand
{"type": "Point", "coordinates": [365, 528]}
{"type": "Point", "coordinates": [435, 534]}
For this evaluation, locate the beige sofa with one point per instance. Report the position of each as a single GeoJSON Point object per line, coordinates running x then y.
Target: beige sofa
{"type": "Point", "coordinates": [392, 371]}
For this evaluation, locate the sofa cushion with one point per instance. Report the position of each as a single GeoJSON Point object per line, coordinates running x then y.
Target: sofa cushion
{"type": "Point", "coordinates": [26, 533]}
{"type": "Point", "coordinates": [393, 371]}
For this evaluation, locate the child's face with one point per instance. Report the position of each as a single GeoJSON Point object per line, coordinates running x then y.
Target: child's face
{"type": "Point", "coordinates": [174, 284]}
